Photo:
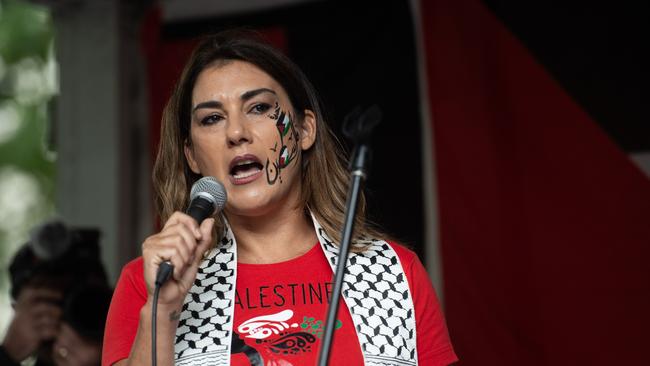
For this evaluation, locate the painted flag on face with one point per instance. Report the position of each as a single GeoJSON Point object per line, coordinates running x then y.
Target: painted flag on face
{"type": "Point", "coordinates": [283, 124]}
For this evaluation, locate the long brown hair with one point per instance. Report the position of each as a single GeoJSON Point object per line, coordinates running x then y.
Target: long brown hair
{"type": "Point", "coordinates": [325, 180]}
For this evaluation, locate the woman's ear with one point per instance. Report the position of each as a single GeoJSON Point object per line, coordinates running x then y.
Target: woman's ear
{"type": "Point", "coordinates": [308, 130]}
{"type": "Point", "coordinates": [189, 156]}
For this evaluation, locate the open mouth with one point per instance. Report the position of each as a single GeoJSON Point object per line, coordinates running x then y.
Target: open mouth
{"type": "Point", "coordinates": [244, 167]}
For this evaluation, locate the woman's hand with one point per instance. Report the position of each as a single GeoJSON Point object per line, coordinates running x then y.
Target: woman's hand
{"type": "Point", "coordinates": [181, 242]}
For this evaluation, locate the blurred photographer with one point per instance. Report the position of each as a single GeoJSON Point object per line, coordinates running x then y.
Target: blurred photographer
{"type": "Point", "coordinates": [79, 340]}
{"type": "Point", "coordinates": [60, 296]}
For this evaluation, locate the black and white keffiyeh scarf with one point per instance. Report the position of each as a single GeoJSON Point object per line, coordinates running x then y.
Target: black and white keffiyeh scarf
{"type": "Point", "coordinates": [375, 291]}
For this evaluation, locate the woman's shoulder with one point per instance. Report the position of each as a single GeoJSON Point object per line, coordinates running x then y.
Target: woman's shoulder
{"type": "Point", "coordinates": [134, 265]}
{"type": "Point", "coordinates": [133, 270]}
{"type": "Point", "coordinates": [132, 278]}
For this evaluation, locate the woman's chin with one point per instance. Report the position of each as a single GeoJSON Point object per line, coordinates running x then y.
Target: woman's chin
{"type": "Point", "coordinates": [250, 208]}
{"type": "Point", "coordinates": [261, 202]}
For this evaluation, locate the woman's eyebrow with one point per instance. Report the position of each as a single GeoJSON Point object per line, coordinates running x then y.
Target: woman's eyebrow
{"type": "Point", "coordinates": [215, 104]}
{"type": "Point", "coordinates": [211, 104]}
{"type": "Point", "coordinates": [252, 93]}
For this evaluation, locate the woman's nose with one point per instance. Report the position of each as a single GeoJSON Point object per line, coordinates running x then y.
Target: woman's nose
{"type": "Point", "coordinates": [237, 131]}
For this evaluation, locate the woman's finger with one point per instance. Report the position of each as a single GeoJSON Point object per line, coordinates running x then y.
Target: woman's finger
{"type": "Point", "coordinates": [170, 249]}
{"type": "Point", "coordinates": [203, 246]}
{"type": "Point", "coordinates": [206, 229]}
{"type": "Point", "coordinates": [189, 239]}
{"type": "Point", "coordinates": [181, 218]}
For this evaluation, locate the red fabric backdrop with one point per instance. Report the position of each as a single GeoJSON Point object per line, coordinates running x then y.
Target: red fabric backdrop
{"type": "Point", "coordinates": [544, 222]}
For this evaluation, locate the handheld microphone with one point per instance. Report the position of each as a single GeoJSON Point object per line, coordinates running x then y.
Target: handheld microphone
{"type": "Point", "coordinates": [207, 197]}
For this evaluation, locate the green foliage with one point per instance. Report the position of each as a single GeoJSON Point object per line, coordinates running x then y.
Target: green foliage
{"type": "Point", "coordinates": [25, 31]}
{"type": "Point", "coordinates": [26, 87]}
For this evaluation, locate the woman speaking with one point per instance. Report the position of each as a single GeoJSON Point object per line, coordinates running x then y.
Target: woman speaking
{"type": "Point", "coordinates": [251, 284]}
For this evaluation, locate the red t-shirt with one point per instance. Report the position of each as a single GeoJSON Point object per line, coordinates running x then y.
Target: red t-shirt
{"type": "Point", "coordinates": [280, 311]}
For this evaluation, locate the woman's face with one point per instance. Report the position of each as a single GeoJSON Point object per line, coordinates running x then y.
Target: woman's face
{"type": "Point", "coordinates": [244, 133]}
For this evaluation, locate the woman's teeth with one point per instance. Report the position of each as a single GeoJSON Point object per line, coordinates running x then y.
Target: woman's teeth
{"type": "Point", "coordinates": [247, 173]}
{"type": "Point", "coordinates": [246, 169]}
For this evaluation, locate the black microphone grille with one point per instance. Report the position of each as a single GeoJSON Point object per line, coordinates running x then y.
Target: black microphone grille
{"type": "Point", "coordinates": [210, 188]}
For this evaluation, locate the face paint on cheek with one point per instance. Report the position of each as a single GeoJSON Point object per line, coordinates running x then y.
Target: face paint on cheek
{"type": "Point", "coordinates": [283, 158]}
{"type": "Point", "coordinates": [283, 125]}
{"type": "Point", "coordinates": [286, 153]}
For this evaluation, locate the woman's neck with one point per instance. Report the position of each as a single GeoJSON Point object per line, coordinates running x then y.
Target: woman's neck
{"type": "Point", "coordinates": [274, 237]}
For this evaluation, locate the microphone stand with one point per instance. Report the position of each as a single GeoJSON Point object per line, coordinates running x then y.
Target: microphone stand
{"type": "Point", "coordinates": [358, 128]}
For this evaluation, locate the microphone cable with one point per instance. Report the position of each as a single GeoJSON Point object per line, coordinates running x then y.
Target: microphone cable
{"type": "Point", "coordinates": [164, 271]}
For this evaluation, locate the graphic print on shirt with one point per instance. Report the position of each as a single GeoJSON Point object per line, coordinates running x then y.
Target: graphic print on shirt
{"type": "Point", "coordinates": [267, 337]}
{"type": "Point", "coordinates": [290, 326]}
{"type": "Point", "coordinates": [286, 154]}
{"type": "Point", "coordinates": [261, 327]}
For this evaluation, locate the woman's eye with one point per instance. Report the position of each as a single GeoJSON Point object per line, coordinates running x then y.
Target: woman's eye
{"type": "Point", "coordinates": [260, 108]}
{"type": "Point", "coordinates": [211, 119]}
